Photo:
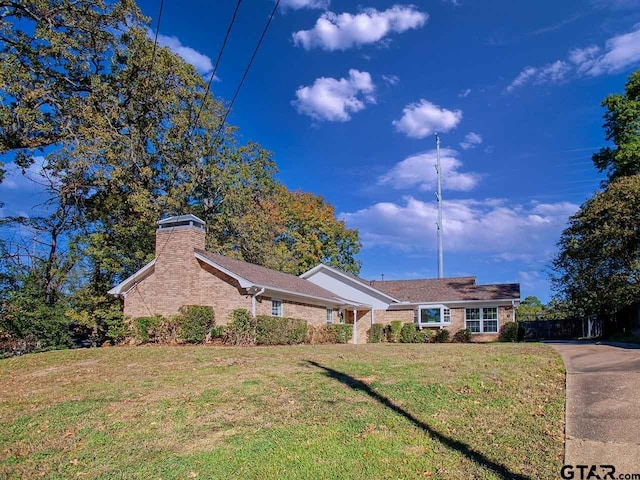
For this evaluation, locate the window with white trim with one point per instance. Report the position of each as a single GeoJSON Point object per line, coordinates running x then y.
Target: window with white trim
{"type": "Point", "coordinates": [329, 315]}
{"type": "Point", "coordinates": [432, 314]}
{"type": "Point", "coordinates": [276, 308]}
{"type": "Point", "coordinates": [481, 319]}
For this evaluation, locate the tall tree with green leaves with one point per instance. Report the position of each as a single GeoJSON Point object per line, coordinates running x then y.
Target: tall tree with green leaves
{"type": "Point", "coordinates": [598, 267]}
{"type": "Point", "coordinates": [622, 127]}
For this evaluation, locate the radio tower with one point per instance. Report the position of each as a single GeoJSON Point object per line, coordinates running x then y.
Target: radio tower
{"type": "Point", "coordinates": [439, 198]}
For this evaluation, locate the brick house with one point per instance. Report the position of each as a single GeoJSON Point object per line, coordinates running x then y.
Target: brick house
{"type": "Point", "coordinates": [184, 273]}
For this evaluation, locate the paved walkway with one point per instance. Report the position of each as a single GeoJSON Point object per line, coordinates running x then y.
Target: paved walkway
{"type": "Point", "coordinates": [603, 404]}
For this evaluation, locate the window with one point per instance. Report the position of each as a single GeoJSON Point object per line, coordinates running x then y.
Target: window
{"type": "Point", "coordinates": [276, 308]}
{"type": "Point", "coordinates": [481, 320]}
{"type": "Point", "coordinates": [434, 315]}
{"type": "Point", "coordinates": [329, 315]}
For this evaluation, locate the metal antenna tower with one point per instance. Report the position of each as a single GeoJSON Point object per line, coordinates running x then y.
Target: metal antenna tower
{"type": "Point", "coordinates": [439, 198]}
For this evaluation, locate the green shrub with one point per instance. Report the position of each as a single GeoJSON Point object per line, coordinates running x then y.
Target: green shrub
{"type": "Point", "coordinates": [408, 333]}
{"type": "Point", "coordinates": [194, 322]}
{"type": "Point", "coordinates": [280, 330]}
{"type": "Point", "coordinates": [376, 333]}
{"type": "Point", "coordinates": [441, 336]}
{"type": "Point", "coordinates": [341, 332]}
{"type": "Point", "coordinates": [424, 336]}
{"type": "Point", "coordinates": [395, 331]}
{"type": "Point", "coordinates": [241, 329]}
{"type": "Point", "coordinates": [462, 336]}
{"type": "Point", "coordinates": [145, 328]}
{"type": "Point", "coordinates": [510, 332]}
{"type": "Point", "coordinates": [217, 332]}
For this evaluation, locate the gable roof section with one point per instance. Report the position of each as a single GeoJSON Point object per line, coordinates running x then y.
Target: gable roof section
{"type": "Point", "coordinates": [256, 275]}
{"type": "Point", "coordinates": [124, 286]}
{"type": "Point", "coordinates": [361, 282]}
{"type": "Point", "coordinates": [447, 290]}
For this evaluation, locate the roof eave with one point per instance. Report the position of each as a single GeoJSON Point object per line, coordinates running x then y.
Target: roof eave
{"type": "Point", "coordinates": [118, 289]}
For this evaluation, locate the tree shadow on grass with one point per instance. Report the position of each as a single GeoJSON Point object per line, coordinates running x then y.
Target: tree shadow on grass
{"type": "Point", "coordinates": [461, 447]}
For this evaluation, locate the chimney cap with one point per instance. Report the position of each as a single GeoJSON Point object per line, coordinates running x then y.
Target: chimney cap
{"type": "Point", "coordinates": [182, 221]}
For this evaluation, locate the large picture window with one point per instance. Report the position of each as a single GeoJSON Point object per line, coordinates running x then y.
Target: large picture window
{"type": "Point", "coordinates": [481, 319]}
{"type": "Point", "coordinates": [433, 315]}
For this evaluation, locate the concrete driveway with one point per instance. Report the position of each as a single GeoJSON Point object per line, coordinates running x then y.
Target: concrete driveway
{"type": "Point", "coordinates": [603, 404]}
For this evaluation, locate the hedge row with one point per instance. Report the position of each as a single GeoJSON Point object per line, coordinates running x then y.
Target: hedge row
{"type": "Point", "coordinates": [399, 332]}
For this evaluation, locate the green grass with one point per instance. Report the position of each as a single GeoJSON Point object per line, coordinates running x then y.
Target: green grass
{"type": "Point", "coordinates": [371, 411]}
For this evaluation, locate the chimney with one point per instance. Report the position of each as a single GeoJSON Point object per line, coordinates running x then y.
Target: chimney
{"type": "Point", "coordinates": [176, 268]}
{"type": "Point", "coordinates": [179, 234]}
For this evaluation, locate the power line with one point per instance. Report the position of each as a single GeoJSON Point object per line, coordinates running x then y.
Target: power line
{"type": "Point", "coordinates": [215, 68]}
{"type": "Point", "coordinates": [246, 71]}
{"type": "Point", "coordinates": [155, 41]}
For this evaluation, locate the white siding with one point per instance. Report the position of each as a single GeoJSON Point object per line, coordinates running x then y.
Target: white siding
{"type": "Point", "coordinates": [348, 289]}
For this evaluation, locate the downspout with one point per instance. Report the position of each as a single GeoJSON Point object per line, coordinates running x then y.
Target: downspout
{"type": "Point", "coordinates": [253, 301]}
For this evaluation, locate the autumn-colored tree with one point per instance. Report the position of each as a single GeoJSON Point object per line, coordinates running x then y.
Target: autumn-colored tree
{"type": "Point", "coordinates": [127, 136]}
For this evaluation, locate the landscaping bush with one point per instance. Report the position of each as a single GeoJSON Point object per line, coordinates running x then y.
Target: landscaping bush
{"type": "Point", "coordinates": [462, 336]}
{"type": "Point", "coordinates": [394, 330]}
{"type": "Point", "coordinates": [194, 322]}
{"type": "Point", "coordinates": [424, 336]}
{"type": "Point", "coordinates": [241, 329]}
{"type": "Point", "coordinates": [280, 330]}
{"type": "Point", "coordinates": [441, 336]}
{"type": "Point", "coordinates": [408, 333]}
{"type": "Point", "coordinates": [376, 333]}
{"type": "Point", "coordinates": [510, 332]}
{"type": "Point", "coordinates": [341, 332]}
{"type": "Point", "coordinates": [329, 333]}
{"type": "Point", "coordinates": [217, 332]}
{"type": "Point", "coordinates": [145, 328]}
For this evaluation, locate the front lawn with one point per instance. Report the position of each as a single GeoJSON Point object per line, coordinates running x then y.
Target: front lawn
{"type": "Point", "coordinates": [445, 411]}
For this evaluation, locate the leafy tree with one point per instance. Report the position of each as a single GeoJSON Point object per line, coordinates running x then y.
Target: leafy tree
{"type": "Point", "coordinates": [114, 118]}
{"type": "Point", "coordinates": [622, 127]}
{"type": "Point", "coordinates": [598, 267]}
{"type": "Point", "coordinates": [530, 308]}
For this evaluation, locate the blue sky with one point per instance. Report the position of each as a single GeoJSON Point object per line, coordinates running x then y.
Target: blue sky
{"type": "Point", "coordinates": [348, 97]}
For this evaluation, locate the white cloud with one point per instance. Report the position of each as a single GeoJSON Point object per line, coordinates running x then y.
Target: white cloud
{"type": "Point", "coordinates": [464, 93]}
{"type": "Point", "coordinates": [201, 62]}
{"type": "Point", "coordinates": [343, 31]}
{"type": "Point", "coordinates": [552, 73]}
{"type": "Point", "coordinates": [418, 171]}
{"type": "Point", "coordinates": [391, 79]}
{"type": "Point", "coordinates": [424, 118]}
{"type": "Point", "coordinates": [491, 226]}
{"type": "Point", "coordinates": [619, 53]}
{"type": "Point", "coordinates": [334, 100]}
{"type": "Point", "coordinates": [299, 4]}
{"type": "Point", "coordinates": [471, 140]}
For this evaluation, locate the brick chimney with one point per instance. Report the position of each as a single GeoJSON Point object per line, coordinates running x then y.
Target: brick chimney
{"type": "Point", "coordinates": [176, 268]}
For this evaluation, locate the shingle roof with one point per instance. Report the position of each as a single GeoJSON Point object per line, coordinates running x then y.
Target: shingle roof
{"type": "Point", "coordinates": [266, 277]}
{"type": "Point", "coordinates": [446, 289]}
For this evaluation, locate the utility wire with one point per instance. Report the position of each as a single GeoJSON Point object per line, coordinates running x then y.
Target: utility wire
{"type": "Point", "coordinates": [215, 67]}
{"type": "Point", "coordinates": [246, 71]}
{"type": "Point", "coordinates": [155, 41]}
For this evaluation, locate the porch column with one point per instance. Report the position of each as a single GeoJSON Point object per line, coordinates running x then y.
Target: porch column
{"type": "Point", "coordinates": [355, 327]}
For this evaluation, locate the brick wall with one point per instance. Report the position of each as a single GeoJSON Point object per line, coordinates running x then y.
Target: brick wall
{"type": "Point", "coordinates": [313, 314]}
{"type": "Point", "coordinates": [387, 316]}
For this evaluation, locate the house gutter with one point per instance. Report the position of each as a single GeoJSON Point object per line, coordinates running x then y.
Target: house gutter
{"type": "Point", "coordinates": [253, 300]}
